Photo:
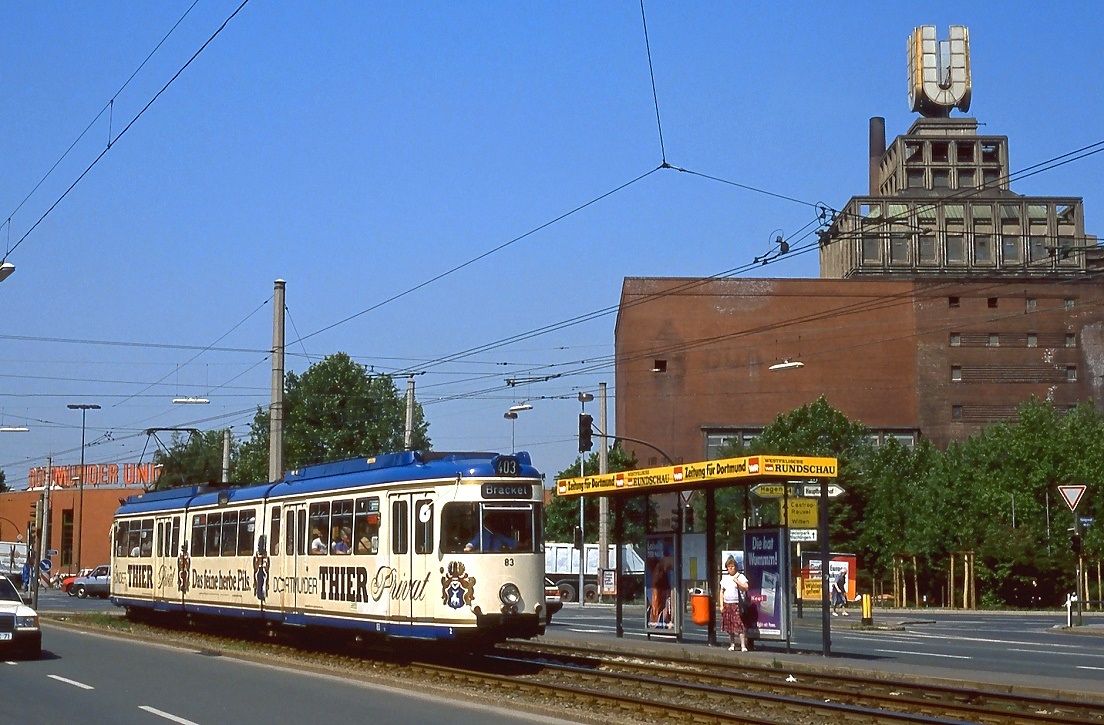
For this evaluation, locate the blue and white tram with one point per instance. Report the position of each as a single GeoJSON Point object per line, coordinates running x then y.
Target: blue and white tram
{"type": "Point", "coordinates": [415, 544]}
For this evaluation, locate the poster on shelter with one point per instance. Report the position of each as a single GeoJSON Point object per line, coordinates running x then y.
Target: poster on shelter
{"type": "Point", "coordinates": [659, 583]}
{"type": "Point", "coordinates": [766, 556]}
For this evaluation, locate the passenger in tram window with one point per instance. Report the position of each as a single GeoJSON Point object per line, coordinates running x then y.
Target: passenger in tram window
{"type": "Point", "coordinates": [340, 541]}
{"type": "Point", "coordinates": [488, 539]}
{"type": "Point", "coordinates": [318, 546]}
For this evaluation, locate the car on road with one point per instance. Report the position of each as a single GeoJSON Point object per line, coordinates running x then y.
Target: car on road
{"type": "Point", "coordinates": [18, 623]}
{"type": "Point", "coordinates": [67, 581]}
{"type": "Point", "coordinates": [96, 584]}
{"type": "Point", "coordinates": [552, 600]}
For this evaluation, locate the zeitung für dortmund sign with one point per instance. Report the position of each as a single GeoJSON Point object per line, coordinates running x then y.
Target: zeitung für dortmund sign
{"type": "Point", "coordinates": [688, 475]}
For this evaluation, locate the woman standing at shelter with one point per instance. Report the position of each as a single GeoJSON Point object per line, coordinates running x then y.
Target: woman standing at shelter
{"type": "Point", "coordinates": [734, 586]}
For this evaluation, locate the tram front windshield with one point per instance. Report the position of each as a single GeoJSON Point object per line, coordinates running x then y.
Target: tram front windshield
{"type": "Point", "coordinates": [483, 528]}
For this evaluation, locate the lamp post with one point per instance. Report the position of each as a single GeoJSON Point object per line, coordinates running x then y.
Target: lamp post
{"type": "Point", "coordinates": [83, 408]}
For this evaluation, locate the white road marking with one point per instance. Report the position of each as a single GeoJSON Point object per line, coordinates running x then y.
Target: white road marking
{"type": "Point", "coordinates": [1086, 667]}
{"type": "Point", "coordinates": [1064, 654]}
{"type": "Point", "coordinates": [587, 631]}
{"type": "Point", "coordinates": [924, 654]}
{"type": "Point", "coordinates": [9, 662]}
{"type": "Point", "coordinates": [166, 715]}
{"type": "Point", "coordinates": [74, 683]}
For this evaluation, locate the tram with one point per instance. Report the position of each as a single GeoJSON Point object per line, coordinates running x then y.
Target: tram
{"type": "Point", "coordinates": [425, 545]}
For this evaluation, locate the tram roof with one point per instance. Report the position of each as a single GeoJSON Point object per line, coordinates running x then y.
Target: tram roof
{"type": "Point", "coordinates": [377, 470]}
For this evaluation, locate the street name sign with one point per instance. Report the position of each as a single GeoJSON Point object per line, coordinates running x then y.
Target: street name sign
{"type": "Point", "coordinates": [769, 490]}
{"type": "Point", "coordinates": [1072, 495]}
{"type": "Point", "coordinates": [812, 490]}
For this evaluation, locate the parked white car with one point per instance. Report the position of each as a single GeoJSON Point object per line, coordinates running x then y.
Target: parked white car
{"type": "Point", "coordinates": [19, 630]}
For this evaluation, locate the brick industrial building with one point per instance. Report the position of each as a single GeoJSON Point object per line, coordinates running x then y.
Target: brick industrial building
{"type": "Point", "coordinates": [945, 301]}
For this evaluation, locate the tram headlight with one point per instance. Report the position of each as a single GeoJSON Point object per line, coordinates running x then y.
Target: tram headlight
{"type": "Point", "coordinates": [510, 595]}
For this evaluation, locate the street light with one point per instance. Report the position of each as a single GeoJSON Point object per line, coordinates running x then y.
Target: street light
{"type": "Point", "coordinates": [13, 429]}
{"type": "Point", "coordinates": [6, 268]}
{"type": "Point", "coordinates": [190, 400]}
{"type": "Point", "coordinates": [83, 408]}
{"type": "Point", "coordinates": [787, 365]}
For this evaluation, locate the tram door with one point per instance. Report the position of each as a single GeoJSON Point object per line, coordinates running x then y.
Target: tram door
{"type": "Point", "coordinates": [412, 517]}
{"type": "Point", "coordinates": [292, 559]}
{"type": "Point", "coordinates": [166, 555]}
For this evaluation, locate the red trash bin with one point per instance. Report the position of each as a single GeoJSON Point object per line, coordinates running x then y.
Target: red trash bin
{"type": "Point", "coordinates": [699, 607]}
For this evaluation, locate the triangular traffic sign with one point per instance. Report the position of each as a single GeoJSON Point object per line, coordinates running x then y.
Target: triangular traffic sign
{"type": "Point", "coordinates": [1072, 495]}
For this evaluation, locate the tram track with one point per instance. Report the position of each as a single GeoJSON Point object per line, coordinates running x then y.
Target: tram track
{"type": "Point", "coordinates": [875, 698]}
{"type": "Point", "coordinates": [586, 684]}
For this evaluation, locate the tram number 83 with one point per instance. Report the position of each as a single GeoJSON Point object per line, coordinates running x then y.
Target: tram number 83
{"type": "Point", "coordinates": [508, 562]}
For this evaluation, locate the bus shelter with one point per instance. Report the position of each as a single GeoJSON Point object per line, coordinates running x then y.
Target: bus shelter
{"type": "Point", "coordinates": [802, 486]}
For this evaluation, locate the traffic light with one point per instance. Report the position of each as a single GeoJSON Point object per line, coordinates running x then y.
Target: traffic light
{"type": "Point", "coordinates": [1075, 543]}
{"type": "Point", "coordinates": [35, 513]}
{"type": "Point", "coordinates": [687, 518]}
{"type": "Point", "coordinates": [578, 538]}
{"type": "Point", "coordinates": [585, 443]}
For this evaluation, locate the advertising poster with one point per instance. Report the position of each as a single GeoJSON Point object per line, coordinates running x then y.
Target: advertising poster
{"type": "Point", "coordinates": [659, 584]}
{"type": "Point", "coordinates": [837, 563]}
{"type": "Point", "coordinates": [766, 559]}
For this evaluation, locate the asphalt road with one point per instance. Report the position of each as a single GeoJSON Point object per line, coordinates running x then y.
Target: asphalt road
{"type": "Point", "coordinates": [1032, 649]}
{"type": "Point", "coordinates": [88, 677]}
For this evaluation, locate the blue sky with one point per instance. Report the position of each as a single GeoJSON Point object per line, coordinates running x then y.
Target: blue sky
{"type": "Point", "coordinates": [358, 150]}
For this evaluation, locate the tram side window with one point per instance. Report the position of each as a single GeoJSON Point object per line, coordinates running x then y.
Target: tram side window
{"type": "Point", "coordinates": [214, 534]}
{"type": "Point", "coordinates": [366, 525]}
{"type": "Point", "coordinates": [423, 527]}
{"type": "Point", "coordinates": [459, 524]}
{"type": "Point", "coordinates": [145, 545]}
{"type": "Point", "coordinates": [122, 535]}
{"type": "Point", "coordinates": [301, 531]}
{"type": "Point", "coordinates": [160, 538]}
{"type": "Point", "coordinates": [319, 527]}
{"type": "Point", "coordinates": [229, 533]}
{"type": "Point", "coordinates": [341, 523]}
{"type": "Point", "coordinates": [399, 528]}
{"type": "Point", "coordinates": [135, 539]}
{"type": "Point", "coordinates": [174, 545]}
{"type": "Point", "coordinates": [274, 533]}
{"type": "Point", "coordinates": [199, 534]}
{"type": "Point", "coordinates": [247, 531]}
{"type": "Point", "coordinates": [289, 534]}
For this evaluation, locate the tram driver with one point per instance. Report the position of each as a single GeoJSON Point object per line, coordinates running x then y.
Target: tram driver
{"type": "Point", "coordinates": [489, 538]}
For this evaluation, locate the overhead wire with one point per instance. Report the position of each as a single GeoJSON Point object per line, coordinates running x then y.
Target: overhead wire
{"type": "Point", "coordinates": [107, 107]}
{"type": "Point", "coordinates": [126, 128]}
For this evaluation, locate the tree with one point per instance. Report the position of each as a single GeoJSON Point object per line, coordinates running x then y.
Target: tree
{"type": "Point", "coordinates": [561, 515]}
{"type": "Point", "coordinates": [333, 411]}
{"type": "Point", "coordinates": [3, 486]}
{"type": "Point", "coordinates": [193, 460]}
{"type": "Point", "coordinates": [818, 429]}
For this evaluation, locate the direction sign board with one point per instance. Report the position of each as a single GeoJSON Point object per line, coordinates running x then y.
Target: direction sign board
{"type": "Point", "coordinates": [1072, 495]}
{"type": "Point", "coordinates": [800, 513]}
{"type": "Point", "coordinates": [1087, 521]}
{"type": "Point", "coordinates": [812, 490]}
{"type": "Point", "coordinates": [802, 536]}
{"type": "Point", "coordinates": [769, 490]}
